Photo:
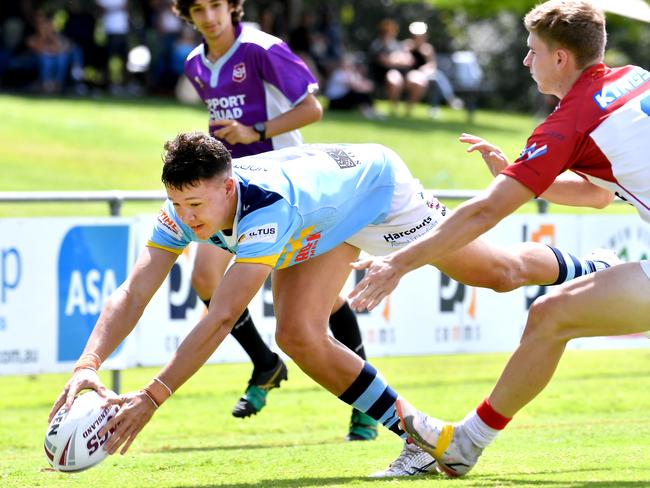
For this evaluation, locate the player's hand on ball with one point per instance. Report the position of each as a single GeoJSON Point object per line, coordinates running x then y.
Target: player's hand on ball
{"type": "Point", "coordinates": [380, 280]}
{"type": "Point", "coordinates": [81, 379]}
{"type": "Point", "coordinates": [135, 410]}
{"type": "Point", "coordinates": [494, 158]}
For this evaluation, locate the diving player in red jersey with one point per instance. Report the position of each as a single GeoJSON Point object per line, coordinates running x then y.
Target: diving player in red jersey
{"type": "Point", "coordinates": [599, 131]}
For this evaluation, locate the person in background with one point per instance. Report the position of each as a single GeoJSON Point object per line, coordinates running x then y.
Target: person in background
{"type": "Point", "coordinates": [115, 23]}
{"type": "Point", "coordinates": [258, 94]}
{"type": "Point", "coordinates": [424, 74]}
{"type": "Point", "coordinates": [348, 89]}
{"type": "Point", "coordinates": [53, 52]}
{"type": "Point", "coordinates": [389, 62]}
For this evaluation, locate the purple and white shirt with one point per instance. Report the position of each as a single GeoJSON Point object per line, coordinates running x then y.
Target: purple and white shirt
{"type": "Point", "coordinates": [256, 80]}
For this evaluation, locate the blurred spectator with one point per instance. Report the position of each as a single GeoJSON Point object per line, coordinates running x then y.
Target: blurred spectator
{"type": "Point", "coordinates": [303, 41]}
{"type": "Point", "coordinates": [79, 29]}
{"type": "Point", "coordinates": [115, 22]}
{"type": "Point", "coordinates": [425, 74]}
{"type": "Point", "coordinates": [329, 34]}
{"type": "Point", "coordinates": [389, 61]}
{"type": "Point", "coordinates": [467, 77]}
{"type": "Point", "coordinates": [168, 28]}
{"type": "Point", "coordinates": [18, 66]}
{"type": "Point", "coordinates": [348, 89]}
{"type": "Point", "coordinates": [53, 52]}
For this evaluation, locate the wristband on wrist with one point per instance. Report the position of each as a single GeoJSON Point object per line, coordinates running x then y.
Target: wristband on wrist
{"type": "Point", "coordinates": [157, 391]}
{"type": "Point", "coordinates": [89, 360]}
{"type": "Point", "coordinates": [144, 390]}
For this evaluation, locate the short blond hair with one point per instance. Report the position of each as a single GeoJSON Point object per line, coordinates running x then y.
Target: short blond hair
{"type": "Point", "coordinates": [576, 25]}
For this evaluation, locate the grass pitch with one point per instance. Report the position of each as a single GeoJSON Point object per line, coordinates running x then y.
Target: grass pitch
{"type": "Point", "coordinates": [589, 428]}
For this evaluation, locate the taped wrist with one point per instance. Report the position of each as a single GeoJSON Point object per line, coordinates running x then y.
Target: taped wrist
{"type": "Point", "coordinates": [89, 360]}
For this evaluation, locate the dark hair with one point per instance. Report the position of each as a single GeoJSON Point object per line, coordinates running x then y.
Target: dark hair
{"type": "Point", "coordinates": [182, 9]}
{"type": "Point", "coordinates": [192, 157]}
{"type": "Point", "coordinates": [570, 24]}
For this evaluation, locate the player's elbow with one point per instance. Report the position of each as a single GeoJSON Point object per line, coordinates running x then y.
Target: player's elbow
{"type": "Point", "coordinates": [602, 198]}
{"type": "Point", "coordinates": [313, 109]}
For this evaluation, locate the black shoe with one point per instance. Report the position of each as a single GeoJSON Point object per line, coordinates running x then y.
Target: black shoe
{"type": "Point", "coordinates": [259, 385]}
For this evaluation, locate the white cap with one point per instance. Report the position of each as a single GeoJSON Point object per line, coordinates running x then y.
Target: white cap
{"type": "Point", "coordinates": [418, 28]}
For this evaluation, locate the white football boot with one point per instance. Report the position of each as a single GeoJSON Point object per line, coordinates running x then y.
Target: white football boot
{"type": "Point", "coordinates": [412, 461]}
{"type": "Point", "coordinates": [447, 443]}
{"type": "Point", "coordinates": [603, 258]}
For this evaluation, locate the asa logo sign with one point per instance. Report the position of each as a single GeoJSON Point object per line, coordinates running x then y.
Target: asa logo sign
{"type": "Point", "coordinates": [92, 263]}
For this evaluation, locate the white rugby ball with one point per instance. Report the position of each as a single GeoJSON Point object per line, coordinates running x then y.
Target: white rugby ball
{"type": "Point", "coordinates": [71, 441]}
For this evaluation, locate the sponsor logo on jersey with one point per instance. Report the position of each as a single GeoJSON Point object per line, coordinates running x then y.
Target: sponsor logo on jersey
{"type": "Point", "coordinates": [264, 233]}
{"type": "Point", "coordinates": [532, 152]}
{"type": "Point", "coordinates": [239, 72]}
{"type": "Point", "coordinates": [612, 92]}
{"type": "Point", "coordinates": [168, 226]}
{"type": "Point", "coordinates": [395, 236]}
{"type": "Point", "coordinates": [341, 158]}
{"type": "Point", "coordinates": [226, 108]}
{"type": "Point", "coordinates": [308, 250]}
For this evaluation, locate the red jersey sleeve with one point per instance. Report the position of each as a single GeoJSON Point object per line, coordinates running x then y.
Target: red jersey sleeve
{"type": "Point", "coordinates": [548, 152]}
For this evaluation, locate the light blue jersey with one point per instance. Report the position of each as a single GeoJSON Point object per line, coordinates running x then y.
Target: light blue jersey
{"type": "Point", "coordinates": [297, 203]}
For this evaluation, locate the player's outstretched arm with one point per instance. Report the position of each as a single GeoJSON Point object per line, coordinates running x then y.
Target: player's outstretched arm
{"type": "Point", "coordinates": [494, 157]}
{"type": "Point", "coordinates": [237, 289]}
{"type": "Point", "coordinates": [469, 221]}
{"type": "Point", "coordinates": [116, 321]}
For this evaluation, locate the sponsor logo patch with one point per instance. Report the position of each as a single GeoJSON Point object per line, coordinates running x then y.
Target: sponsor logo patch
{"type": "Point", "coordinates": [401, 237]}
{"type": "Point", "coordinates": [612, 92]}
{"type": "Point", "coordinates": [309, 249]}
{"type": "Point", "coordinates": [532, 152]}
{"type": "Point", "coordinates": [264, 233]}
{"type": "Point", "coordinates": [239, 72]}
{"type": "Point", "coordinates": [341, 158]}
{"type": "Point", "coordinates": [168, 226]}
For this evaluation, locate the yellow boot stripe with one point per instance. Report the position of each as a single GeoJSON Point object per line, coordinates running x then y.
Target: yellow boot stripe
{"type": "Point", "coordinates": [446, 435]}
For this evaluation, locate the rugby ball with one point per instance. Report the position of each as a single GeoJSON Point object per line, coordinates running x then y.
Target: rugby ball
{"type": "Point", "coordinates": [71, 441]}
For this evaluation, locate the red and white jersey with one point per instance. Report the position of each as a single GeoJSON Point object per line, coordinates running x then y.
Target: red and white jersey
{"type": "Point", "coordinates": [601, 131]}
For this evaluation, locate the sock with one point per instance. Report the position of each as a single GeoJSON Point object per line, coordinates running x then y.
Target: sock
{"type": "Point", "coordinates": [345, 329]}
{"type": "Point", "coordinates": [572, 267]}
{"type": "Point", "coordinates": [246, 334]}
{"type": "Point", "coordinates": [484, 424]}
{"type": "Point", "coordinates": [371, 394]}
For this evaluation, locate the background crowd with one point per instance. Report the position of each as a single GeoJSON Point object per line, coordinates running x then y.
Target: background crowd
{"type": "Point", "coordinates": [137, 47]}
{"type": "Point", "coordinates": [405, 52]}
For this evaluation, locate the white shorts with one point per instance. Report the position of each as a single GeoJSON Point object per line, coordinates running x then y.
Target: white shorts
{"type": "Point", "coordinates": [411, 216]}
{"type": "Point", "coordinates": [645, 266]}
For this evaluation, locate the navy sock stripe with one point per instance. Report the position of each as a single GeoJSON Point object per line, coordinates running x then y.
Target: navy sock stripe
{"type": "Point", "coordinates": [578, 265]}
{"type": "Point", "coordinates": [396, 430]}
{"type": "Point", "coordinates": [361, 384]}
{"type": "Point", "coordinates": [562, 265]}
{"type": "Point", "coordinates": [383, 403]}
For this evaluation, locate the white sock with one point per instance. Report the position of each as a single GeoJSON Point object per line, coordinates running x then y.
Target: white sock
{"type": "Point", "coordinates": [478, 431]}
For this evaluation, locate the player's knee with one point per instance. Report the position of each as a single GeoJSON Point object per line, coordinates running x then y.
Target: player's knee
{"type": "Point", "coordinates": [546, 321]}
{"type": "Point", "coordinates": [298, 342]}
{"type": "Point", "coordinates": [504, 278]}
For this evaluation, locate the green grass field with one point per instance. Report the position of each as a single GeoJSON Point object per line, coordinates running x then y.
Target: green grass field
{"type": "Point", "coordinates": [107, 144]}
{"type": "Point", "coordinates": [590, 428]}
